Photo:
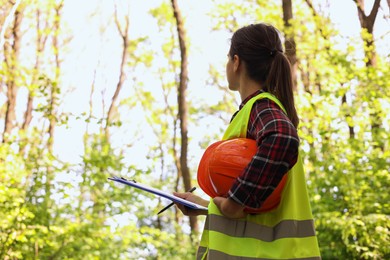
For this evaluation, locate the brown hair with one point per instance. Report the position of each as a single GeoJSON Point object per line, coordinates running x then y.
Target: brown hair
{"type": "Point", "coordinates": [260, 48]}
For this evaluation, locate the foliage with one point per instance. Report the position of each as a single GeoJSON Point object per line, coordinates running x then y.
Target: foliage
{"type": "Point", "coordinates": [55, 209]}
{"type": "Point", "coordinates": [347, 154]}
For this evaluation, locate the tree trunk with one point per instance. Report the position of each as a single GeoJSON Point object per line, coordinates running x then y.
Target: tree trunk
{"type": "Point", "coordinates": [125, 42]}
{"type": "Point", "coordinates": [53, 112]}
{"type": "Point", "coordinates": [7, 22]}
{"type": "Point", "coordinates": [11, 53]}
{"type": "Point", "coordinates": [40, 46]}
{"type": "Point", "coordinates": [388, 4]}
{"type": "Point", "coordinates": [350, 126]}
{"type": "Point", "coordinates": [289, 43]}
{"type": "Point", "coordinates": [367, 23]}
{"type": "Point", "coordinates": [183, 111]}
{"type": "Point", "coordinates": [55, 86]}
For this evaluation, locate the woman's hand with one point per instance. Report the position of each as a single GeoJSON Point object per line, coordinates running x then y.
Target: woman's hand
{"type": "Point", "coordinates": [193, 198]}
{"type": "Point", "coordinates": [229, 208]}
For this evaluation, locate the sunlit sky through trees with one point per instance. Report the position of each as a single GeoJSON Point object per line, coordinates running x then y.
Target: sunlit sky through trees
{"type": "Point", "coordinates": [94, 51]}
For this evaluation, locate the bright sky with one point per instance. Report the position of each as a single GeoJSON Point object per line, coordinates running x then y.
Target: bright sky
{"type": "Point", "coordinates": [87, 51]}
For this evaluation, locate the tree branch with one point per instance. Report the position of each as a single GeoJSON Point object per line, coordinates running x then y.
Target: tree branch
{"type": "Point", "coordinates": [7, 22]}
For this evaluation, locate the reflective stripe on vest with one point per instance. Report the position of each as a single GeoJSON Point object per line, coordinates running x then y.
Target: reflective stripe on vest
{"type": "Point", "coordinates": [286, 232]}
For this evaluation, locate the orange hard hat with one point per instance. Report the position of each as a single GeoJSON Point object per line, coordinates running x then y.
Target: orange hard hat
{"type": "Point", "coordinates": [223, 162]}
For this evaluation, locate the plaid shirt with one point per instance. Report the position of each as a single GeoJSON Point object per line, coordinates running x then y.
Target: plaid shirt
{"type": "Point", "coordinates": [277, 152]}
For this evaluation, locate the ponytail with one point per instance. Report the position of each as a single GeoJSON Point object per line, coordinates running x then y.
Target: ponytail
{"type": "Point", "coordinates": [279, 83]}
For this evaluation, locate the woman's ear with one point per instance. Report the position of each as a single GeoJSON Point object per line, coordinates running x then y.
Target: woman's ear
{"type": "Point", "coordinates": [236, 63]}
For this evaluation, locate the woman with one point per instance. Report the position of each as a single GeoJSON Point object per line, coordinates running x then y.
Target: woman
{"type": "Point", "coordinates": [259, 70]}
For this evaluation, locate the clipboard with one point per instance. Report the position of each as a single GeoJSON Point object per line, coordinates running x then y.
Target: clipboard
{"type": "Point", "coordinates": [155, 191]}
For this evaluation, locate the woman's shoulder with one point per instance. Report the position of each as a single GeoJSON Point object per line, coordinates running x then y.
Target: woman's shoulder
{"type": "Point", "coordinates": [266, 114]}
{"type": "Point", "coordinates": [266, 105]}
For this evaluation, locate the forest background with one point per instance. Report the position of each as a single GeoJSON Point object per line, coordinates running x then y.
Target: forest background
{"type": "Point", "coordinates": [91, 89]}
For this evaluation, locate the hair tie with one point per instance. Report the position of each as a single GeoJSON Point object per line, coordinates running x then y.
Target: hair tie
{"type": "Point", "coordinates": [272, 53]}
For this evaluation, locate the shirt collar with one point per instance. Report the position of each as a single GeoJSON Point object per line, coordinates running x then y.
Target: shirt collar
{"type": "Point", "coordinates": [249, 97]}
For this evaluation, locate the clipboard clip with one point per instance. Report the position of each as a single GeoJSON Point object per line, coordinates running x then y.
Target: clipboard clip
{"type": "Point", "coordinates": [128, 180]}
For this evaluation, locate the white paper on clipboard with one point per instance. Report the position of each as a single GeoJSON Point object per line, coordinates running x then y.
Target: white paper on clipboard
{"type": "Point", "coordinates": [158, 192]}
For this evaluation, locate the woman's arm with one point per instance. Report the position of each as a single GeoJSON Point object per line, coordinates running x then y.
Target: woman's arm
{"type": "Point", "coordinates": [277, 152]}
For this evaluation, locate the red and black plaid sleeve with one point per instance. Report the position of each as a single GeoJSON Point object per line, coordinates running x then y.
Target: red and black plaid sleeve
{"type": "Point", "coordinates": [277, 152]}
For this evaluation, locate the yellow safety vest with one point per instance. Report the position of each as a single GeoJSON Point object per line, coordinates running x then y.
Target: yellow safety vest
{"type": "Point", "coordinates": [286, 232]}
